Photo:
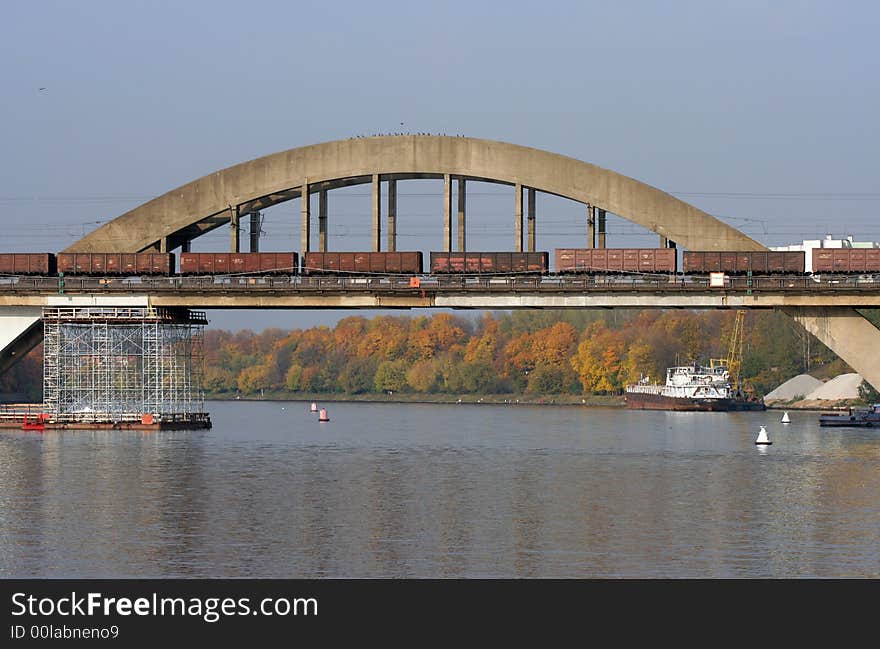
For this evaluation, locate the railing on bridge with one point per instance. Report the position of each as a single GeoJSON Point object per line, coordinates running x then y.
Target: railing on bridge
{"type": "Point", "coordinates": [436, 284]}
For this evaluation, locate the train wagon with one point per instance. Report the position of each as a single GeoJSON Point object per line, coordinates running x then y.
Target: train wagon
{"type": "Point", "coordinates": [231, 263]}
{"type": "Point", "coordinates": [615, 260]}
{"type": "Point", "coordinates": [489, 262]}
{"type": "Point", "coordinates": [846, 260]}
{"type": "Point", "coordinates": [116, 263]}
{"type": "Point", "coordinates": [27, 263]}
{"type": "Point", "coordinates": [384, 263]}
{"type": "Point", "coordinates": [759, 262]}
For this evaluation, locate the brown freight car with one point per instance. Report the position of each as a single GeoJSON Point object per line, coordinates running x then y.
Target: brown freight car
{"type": "Point", "coordinates": [244, 263]}
{"type": "Point", "coordinates": [489, 262]}
{"type": "Point", "coordinates": [615, 260]}
{"type": "Point", "coordinates": [116, 263]}
{"type": "Point", "coordinates": [732, 262]}
{"type": "Point", "coordinates": [384, 263]}
{"type": "Point", "coordinates": [27, 263]}
{"type": "Point", "coordinates": [846, 260]}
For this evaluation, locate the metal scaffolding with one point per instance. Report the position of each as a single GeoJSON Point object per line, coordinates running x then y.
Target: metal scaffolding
{"type": "Point", "coordinates": [118, 364]}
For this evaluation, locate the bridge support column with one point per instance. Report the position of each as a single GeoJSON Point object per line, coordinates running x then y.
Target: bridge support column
{"type": "Point", "coordinates": [664, 242]}
{"type": "Point", "coordinates": [20, 331]}
{"type": "Point", "coordinates": [322, 220]}
{"type": "Point", "coordinates": [462, 198]}
{"type": "Point", "coordinates": [847, 333]}
{"type": "Point", "coordinates": [234, 230]}
{"type": "Point", "coordinates": [447, 213]}
{"type": "Point", "coordinates": [591, 226]}
{"type": "Point", "coordinates": [601, 223]}
{"type": "Point", "coordinates": [531, 220]}
{"type": "Point", "coordinates": [255, 232]}
{"type": "Point", "coordinates": [377, 213]}
{"type": "Point", "coordinates": [518, 218]}
{"type": "Point", "coordinates": [392, 215]}
{"type": "Point", "coordinates": [306, 232]}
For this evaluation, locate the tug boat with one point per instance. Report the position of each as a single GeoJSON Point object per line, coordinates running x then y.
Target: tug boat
{"type": "Point", "coordinates": [855, 418]}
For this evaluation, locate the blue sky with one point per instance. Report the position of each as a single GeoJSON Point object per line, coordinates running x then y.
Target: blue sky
{"type": "Point", "coordinates": [762, 113]}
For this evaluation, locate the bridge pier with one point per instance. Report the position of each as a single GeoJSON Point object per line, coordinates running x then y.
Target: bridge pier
{"type": "Point", "coordinates": [847, 333]}
{"type": "Point", "coordinates": [20, 331]}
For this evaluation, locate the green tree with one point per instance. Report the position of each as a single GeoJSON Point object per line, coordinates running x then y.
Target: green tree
{"type": "Point", "coordinates": [358, 376]}
{"type": "Point", "coordinates": [391, 375]}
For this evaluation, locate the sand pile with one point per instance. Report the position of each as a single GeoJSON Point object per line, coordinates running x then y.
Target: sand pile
{"type": "Point", "coordinates": [799, 386]}
{"type": "Point", "coordinates": [844, 386]}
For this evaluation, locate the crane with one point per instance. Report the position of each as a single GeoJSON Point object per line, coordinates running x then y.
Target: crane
{"type": "Point", "coordinates": [735, 351]}
{"type": "Point", "coordinates": [733, 362]}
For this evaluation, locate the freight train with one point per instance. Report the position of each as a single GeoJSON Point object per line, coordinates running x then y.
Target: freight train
{"type": "Point", "coordinates": [567, 261]}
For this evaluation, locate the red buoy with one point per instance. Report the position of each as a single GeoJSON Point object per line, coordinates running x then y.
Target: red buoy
{"type": "Point", "coordinates": [322, 416]}
{"type": "Point", "coordinates": [314, 407]}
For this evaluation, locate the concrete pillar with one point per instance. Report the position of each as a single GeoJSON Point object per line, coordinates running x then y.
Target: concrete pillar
{"type": "Point", "coordinates": [255, 232]}
{"type": "Point", "coordinates": [847, 333]}
{"type": "Point", "coordinates": [531, 220]}
{"type": "Point", "coordinates": [377, 213]}
{"type": "Point", "coordinates": [447, 213]}
{"type": "Point", "coordinates": [591, 226]}
{"type": "Point", "coordinates": [322, 220]}
{"type": "Point", "coordinates": [21, 329]}
{"type": "Point", "coordinates": [163, 244]}
{"type": "Point", "coordinates": [518, 218]}
{"type": "Point", "coordinates": [664, 242]}
{"type": "Point", "coordinates": [306, 233]}
{"type": "Point", "coordinates": [392, 215]}
{"type": "Point", "coordinates": [462, 200]}
{"type": "Point", "coordinates": [234, 230]}
{"type": "Point", "coordinates": [601, 223]}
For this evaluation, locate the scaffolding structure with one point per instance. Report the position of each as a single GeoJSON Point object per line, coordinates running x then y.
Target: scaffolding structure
{"type": "Point", "coordinates": [123, 364]}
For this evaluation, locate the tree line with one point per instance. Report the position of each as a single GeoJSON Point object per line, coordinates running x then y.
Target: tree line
{"type": "Point", "coordinates": [519, 352]}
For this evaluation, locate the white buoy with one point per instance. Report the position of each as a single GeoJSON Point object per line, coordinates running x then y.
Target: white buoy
{"type": "Point", "coordinates": [323, 416]}
{"type": "Point", "coordinates": [763, 440]}
{"type": "Point", "coordinates": [785, 419]}
{"type": "Point", "coordinates": [314, 407]}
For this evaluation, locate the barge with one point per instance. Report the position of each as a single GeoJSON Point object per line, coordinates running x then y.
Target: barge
{"type": "Point", "coordinates": [854, 418]}
{"type": "Point", "coordinates": [33, 417]}
{"type": "Point", "coordinates": [691, 388]}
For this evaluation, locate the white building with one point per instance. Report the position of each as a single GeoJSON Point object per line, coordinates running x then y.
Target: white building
{"type": "Point", "coordinates": [828, 242]}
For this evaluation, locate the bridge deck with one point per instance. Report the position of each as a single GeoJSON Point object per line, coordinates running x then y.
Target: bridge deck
{"type": "Point", "coordinates": [550, 291]}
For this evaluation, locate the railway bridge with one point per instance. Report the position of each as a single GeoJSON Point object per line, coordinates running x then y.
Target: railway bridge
{"type": "Point", "coordinates": [226, 197]}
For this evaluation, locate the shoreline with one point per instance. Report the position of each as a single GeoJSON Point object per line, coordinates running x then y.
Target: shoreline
{"type": "Point", "coordinates": [595, 401]}
{"type": "Point", "coordinates": [612, 401]}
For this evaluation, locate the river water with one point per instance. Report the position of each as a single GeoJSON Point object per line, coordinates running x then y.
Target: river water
{"type": "Point", "coordinates": [412, 490]}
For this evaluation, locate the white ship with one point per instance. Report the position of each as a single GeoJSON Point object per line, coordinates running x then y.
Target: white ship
{"type": "Point", "coordinates": [691, 387]}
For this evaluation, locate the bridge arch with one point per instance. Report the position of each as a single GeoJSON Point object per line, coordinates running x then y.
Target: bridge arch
{"type": "Point", "coordinates": [195, 208]}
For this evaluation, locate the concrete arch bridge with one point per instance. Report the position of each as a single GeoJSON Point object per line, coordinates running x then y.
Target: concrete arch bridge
{"type": "Point", "coordinates": [226, 197]}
